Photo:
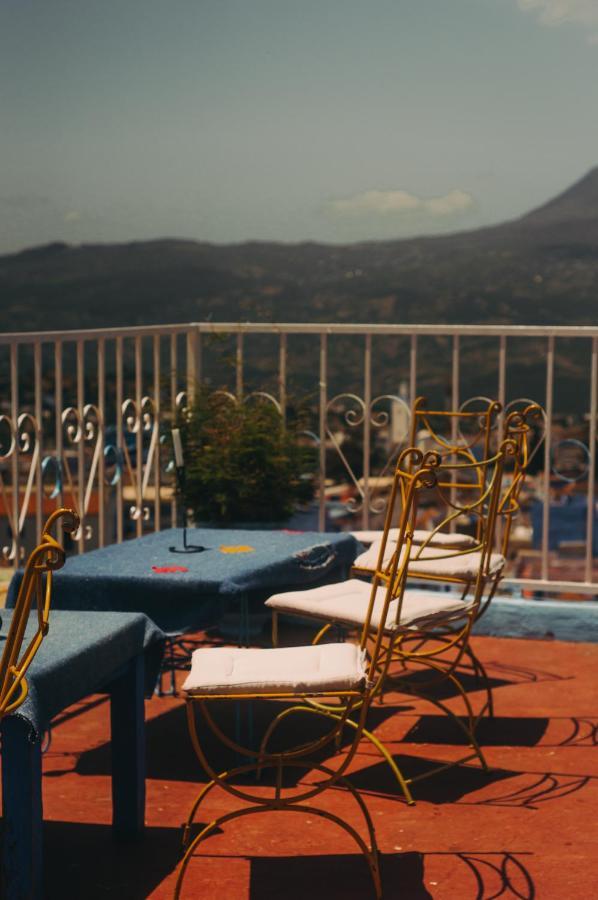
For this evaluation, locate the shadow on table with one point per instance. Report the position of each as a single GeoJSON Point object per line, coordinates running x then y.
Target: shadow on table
{"type": "Point", "coordinates": [83, 861]}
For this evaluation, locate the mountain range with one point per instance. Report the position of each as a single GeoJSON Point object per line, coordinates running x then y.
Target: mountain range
{"type": "Point", "coordinates": [541, 268]}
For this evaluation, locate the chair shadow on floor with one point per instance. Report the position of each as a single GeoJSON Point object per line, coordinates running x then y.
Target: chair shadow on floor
{"type": "Point", "coordinates": [336, 877]}
{"type": "Point", "coordinates": [445, 689]}
{"type": "Point", "coordinates": [499, 731]}
{"type": "Point", "coordinates": [475, 876]}
{"type": "Point", "coordinates": [170, 756]}
{"type": "Point", "coordinates": [449, 786]}
{"type": "Point", "coordinates": [82, 860]}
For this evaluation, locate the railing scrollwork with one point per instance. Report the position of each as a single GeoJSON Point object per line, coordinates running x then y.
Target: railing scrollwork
{"type": "Point", "coordinates": [140, 419]}
{"type": "Point", "coordinates": [20, 448]}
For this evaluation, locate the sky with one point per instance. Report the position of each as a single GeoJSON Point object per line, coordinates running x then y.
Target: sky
{"type": "Point", "coordinates": [290, 120]}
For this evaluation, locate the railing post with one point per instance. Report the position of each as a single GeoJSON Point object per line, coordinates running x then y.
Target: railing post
{"type": "Point", "coordinates": [367, 431]}
{"type": "Point", "coordinates": [119, 351]}
{"type": "Point", "coordinates": [502, 371]}
{"type": "Point", "coordinates": [282, 374]}
{"type": "Point", "coordinates": [14, 413]}
{"type": "Point", "coordinates": [173, 396]}
{"type": "Point", "coordinates": [139, 437]}
{"type": "Point", "coordinates": [101, 355]}
{"type": "Point", "coordinates": [454, 407]}
{"type": "Point", "coordinates": [547, 456]}
{"type": "Point", "coordinates": [193, 366]}
{"type": "Point", "coordinates": [589, 561]}
{"type": "Point", "coordinates": [239, 366]}
{"type": "Point", "coordinates": [58, 423]}
{"type": "Point", "coordinates": [37, 380]}
{"type": "Point", "coordinates": [413, 370]}
{"type": "Point", "coordinates": [157, 420]}
{"type": "Point", "coordinates": [81, 443]}
{"type": "Point", "coordinates": [322, 431]}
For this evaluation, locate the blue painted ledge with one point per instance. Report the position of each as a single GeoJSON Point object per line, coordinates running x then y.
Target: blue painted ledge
{"type": "Point", "coordinates": [561, 620]}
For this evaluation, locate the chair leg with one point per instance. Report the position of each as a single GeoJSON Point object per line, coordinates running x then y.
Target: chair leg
{"type": "Point", "coordinates": [370, 853]}
{"type": "Point", "coordinates": [403, 783]}
{"type": "Point", "coordinates": [222, 776]}
{"type": "Point", "coordinates": [311, 747]}
{"type": "Point", "coordinates": [482, 676]}
{"type": "Point", "coordinates": [468, 732]}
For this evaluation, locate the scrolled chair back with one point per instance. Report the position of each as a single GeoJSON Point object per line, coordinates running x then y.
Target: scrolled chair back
{"type": "Point", "coordinates": [471, 489]}
{"type": "Point", "coordinates": [415, 472]}
{"type": "Point", "coordinates": [525, 428]}
{"type": "Point", "coordinates": [461, 487]}
{"type": "Point", "coordinates": [35, 590]}
{"type": "Point", "coordinates": [465, 432]}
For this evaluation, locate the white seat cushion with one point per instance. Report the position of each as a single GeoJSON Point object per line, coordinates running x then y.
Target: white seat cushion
{"type": "Point", "coordinates": [347, 602]}
{"type": "Point", "coordinates": [296, 670]}
{"type": "Point", "coordinates": [466, 566]}
{"type": "Point", "coordinates": [439, 539]}
{"type": "Point", "coordinates": [433, 561]}
{"type": "Point", "coordinates": [369, 559]}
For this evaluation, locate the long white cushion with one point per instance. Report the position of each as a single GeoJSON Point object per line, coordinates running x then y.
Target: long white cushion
{"type": "Point", "coordinates": [239, 670]}
{"type": "Point", "coordinates": [439, 539]}
{"type": "Point", "coordinates": [466, 566]}
{"type": "Point", "coordinates": [347, 602]}
{"type": "Point", "coordinates": [433, 561]}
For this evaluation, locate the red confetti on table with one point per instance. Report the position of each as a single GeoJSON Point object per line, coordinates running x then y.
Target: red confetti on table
{"type": "Point", "coordinates": [161, 570]}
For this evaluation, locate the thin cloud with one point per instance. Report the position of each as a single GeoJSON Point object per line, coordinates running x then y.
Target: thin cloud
{"type": "Point", "coordinates": [561, 12]}
{"type": "Point", "coordinates": [23, 202]}
{"type": "Point", "coordinates": [454, 202]}
{"type": "Point", "coordinates": [400, 203]}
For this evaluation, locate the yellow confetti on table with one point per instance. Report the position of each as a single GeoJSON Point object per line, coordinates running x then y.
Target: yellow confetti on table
{"type": "Point", "coordinates": [238, 548]}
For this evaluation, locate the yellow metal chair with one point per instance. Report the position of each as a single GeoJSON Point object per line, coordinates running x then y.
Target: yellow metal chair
{"type": "Point", "coordinates": [333, 682]}
{"type": "Point", "coordinates": [466, 432]}
{"type": "Point", "coordinates": [427, 630]}
{"type": "Point", "coordinates": [450, 557]}
{"type": "Point", "coordinates": [524, 428]}
{"type": "Point", "coordinates": [35, 591]}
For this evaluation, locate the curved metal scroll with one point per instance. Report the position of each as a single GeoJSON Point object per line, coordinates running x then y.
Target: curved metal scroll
{"type": "Point", "coordinates": [20, 443]}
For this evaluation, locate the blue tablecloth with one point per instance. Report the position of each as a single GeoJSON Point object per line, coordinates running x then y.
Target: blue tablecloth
{"type": "Point", "coordinates": [120, 577]}
{"type": "Point", "coordinates": [81, 654]}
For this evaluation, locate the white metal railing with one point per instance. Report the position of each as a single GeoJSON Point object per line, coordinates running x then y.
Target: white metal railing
{"type": "Point", "coordinates": [82, 413]}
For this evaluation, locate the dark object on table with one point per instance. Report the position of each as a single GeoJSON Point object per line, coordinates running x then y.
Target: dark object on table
{"type": "Point", "coordinates": [179, 462]}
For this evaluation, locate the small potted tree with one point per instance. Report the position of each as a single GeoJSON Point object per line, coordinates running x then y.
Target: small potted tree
{"type": "Point", "coordinates": [244, 463]}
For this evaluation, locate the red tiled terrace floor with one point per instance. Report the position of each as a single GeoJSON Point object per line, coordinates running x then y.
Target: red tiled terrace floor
{"type": "Point", "coordinates": [528, 829]}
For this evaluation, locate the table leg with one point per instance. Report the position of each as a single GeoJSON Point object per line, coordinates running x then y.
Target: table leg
{"type": "Point", "coordinates": [127, 720]}
{"type": "Point", "coordinates": [22, 811]}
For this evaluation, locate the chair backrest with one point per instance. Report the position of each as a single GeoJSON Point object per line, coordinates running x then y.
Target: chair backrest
{"type": "Point", "coordinates": [472, 488]}
{"type": "Point", "coordinates": [35, 590]}
{"type": "Point", "coordinates": [466, 431]}
{"type": "Point", "coordinates": [401, 512]}
{"type": "Point", "coordinates": [526, 428]}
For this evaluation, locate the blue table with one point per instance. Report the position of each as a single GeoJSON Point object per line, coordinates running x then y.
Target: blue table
{"type": "Point", "coordinates": [120, 577]}
{"type": "Point", "coordinates": [84, 653]}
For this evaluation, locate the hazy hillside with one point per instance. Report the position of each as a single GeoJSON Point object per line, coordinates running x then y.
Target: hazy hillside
{"type": "Point", "coordinates": [542, 268]}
